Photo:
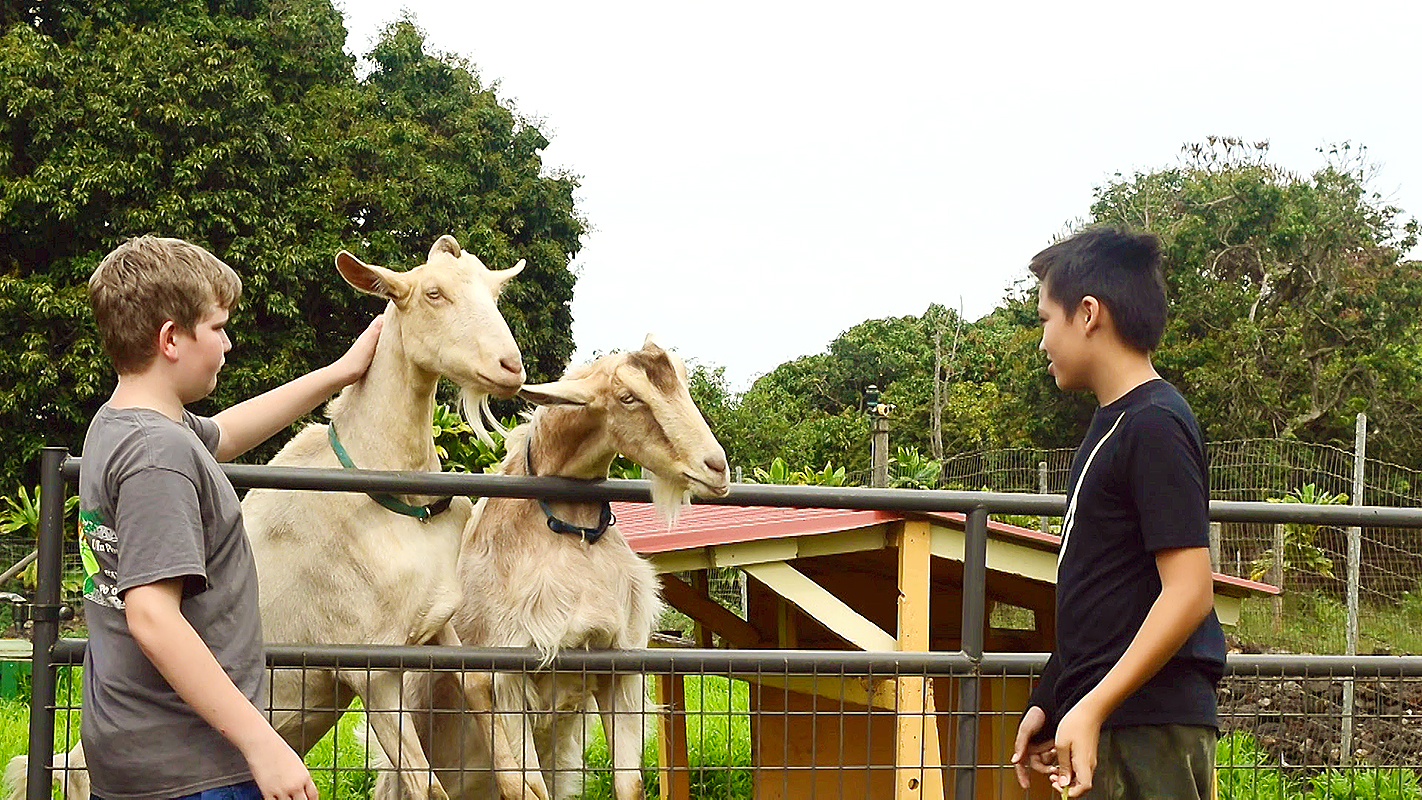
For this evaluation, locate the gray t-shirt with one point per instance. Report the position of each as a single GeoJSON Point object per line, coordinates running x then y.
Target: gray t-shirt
{"type": "Point", "coordinates": [154, 505]}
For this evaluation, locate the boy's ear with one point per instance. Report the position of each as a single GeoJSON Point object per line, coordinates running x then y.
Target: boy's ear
{"type": "Point", "coordinates": [167, 339]}
{"type": "Point", "coordinates": [1091, 312]}
{"type": "Point", "coordinates": [371, 279]}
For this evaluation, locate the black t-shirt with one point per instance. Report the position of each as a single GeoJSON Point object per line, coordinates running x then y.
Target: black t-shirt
{"type": "Point", "coordinates": [1139, 484]}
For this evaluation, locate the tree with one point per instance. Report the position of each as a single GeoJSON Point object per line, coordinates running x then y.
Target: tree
{"type": "Point", "coordinates": [242, 126]}
{"type": "Point", "coordinates": [1292, 304]}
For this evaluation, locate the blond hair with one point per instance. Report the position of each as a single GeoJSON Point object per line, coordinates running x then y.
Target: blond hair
{"type": "Point", "coordinates": [147, 281]}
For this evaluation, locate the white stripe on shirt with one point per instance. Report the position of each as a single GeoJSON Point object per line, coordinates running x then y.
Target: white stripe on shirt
{"type": "Point", "coordinates": [1070, 519]}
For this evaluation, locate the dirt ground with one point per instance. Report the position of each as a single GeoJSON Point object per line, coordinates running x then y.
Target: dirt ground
{"type": "Point", "coordinates": [1300, 721]}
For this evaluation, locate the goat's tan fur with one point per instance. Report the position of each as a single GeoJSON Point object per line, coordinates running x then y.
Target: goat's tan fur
{"type": "Point", "coordinates": [526, 586]}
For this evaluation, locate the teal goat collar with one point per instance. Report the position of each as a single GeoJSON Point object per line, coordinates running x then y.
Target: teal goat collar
{"type": "Point", "coordinates": [421, 513]}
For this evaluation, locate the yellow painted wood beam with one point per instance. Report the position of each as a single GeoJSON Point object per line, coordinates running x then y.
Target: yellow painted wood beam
{"type": "Point", "coordinates": [821, 605]}
{"type": "Point", "coordinates": [918, 771]}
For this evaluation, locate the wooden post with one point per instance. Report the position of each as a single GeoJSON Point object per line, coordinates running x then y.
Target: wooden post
{"type": "Point", "coordinates": [702, 583]}
{"type": "Point", "coordinates": [919, 774]}
{"type": "Point", "coordinates": [1043, 523]}
{"type": "Point", "coordinates": [1355, 557]}
{"type": "Point", "coordinates": [672, 762]}
{"type": "Point", "coordinates": [879, 447]}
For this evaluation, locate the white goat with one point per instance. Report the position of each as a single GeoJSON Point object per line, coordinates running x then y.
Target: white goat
{"type": "Point", "coordinates": [345, 568]}
{"type": "Point", "coordinates": [557, 575]}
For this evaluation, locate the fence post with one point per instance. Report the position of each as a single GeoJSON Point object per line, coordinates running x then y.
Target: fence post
{"type": "Point", "coordinates": [1355, 556]}
{"type": "Point", "coordinates": [1216, 529]}
{"type": "Point", "coordinates": [1278, 576]}
{"type": "Point", "coordinates": [965, 779]}
{"type": "Point", "coordinates": [879, 441]}
{"type": "Point", "coordinates": [45, 613]}
{"type": "Point", "coordinates": [1042, 524]}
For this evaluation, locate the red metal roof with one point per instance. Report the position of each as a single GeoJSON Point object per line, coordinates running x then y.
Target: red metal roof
{"type": "Point", "coordinates": [708, 526]}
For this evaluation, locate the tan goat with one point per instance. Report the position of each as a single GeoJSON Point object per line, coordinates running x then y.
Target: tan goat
{"type": "Point", "coordinates": [528, 585]}
{"type": "Point", "coordinates": [342, 568]}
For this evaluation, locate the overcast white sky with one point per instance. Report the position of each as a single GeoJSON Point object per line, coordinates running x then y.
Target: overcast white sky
{"type": "Point", "coordinates": [761, 175]}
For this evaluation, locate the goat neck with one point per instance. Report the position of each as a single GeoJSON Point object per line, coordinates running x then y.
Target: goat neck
{"type": "Point", "coordinates": [564, 442]}
{"type": "Point", "coordinates": [568, 443]}
{"type": "Point", "coordinates": [384, 418]}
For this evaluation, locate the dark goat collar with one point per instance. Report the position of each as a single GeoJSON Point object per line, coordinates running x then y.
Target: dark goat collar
{"type": "Point", "coordinates": [589, 535]}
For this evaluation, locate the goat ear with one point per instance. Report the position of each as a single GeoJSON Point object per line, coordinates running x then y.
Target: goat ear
{"type": "Point", "coordinates": [503, 276]}
{"type": "Point", "coordinates": [445, 244]}
{"type": "Point", "coordinates": [577, 392]}
{"type": "Point", "coordinates": [371, 279]}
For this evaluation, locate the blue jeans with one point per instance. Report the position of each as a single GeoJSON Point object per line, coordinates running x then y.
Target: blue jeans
{"type": "Point", "coordinates": [237, 791]}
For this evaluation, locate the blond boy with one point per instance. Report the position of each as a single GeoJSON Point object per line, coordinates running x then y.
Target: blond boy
{"type": "Point", "coordinates": [173, 677]}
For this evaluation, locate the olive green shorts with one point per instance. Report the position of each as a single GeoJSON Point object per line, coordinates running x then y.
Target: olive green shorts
{"type": "Point", "coordinates": [1155, 762]}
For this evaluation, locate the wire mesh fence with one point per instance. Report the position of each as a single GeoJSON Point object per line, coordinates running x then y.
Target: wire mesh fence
{"type": "Point", "coordinates": [814, 723]}
{"type": "Point", "coordinates": [1313, 559]}
{"type": "Point", "coordinates": [734, 725]}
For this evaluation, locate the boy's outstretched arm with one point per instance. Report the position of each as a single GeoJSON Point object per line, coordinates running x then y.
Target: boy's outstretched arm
{"type": "Point", "coordinates": [156, 622]}
{"type": "Point", "coordinates": [1186, 598]}
{"type": "Point", "coordinates": [253, 421]}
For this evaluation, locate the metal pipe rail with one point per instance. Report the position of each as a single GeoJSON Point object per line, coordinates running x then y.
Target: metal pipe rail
{"type": "Point", "coordinates": [743, 494]}
{"type": "Point", "coordinates": [691, 661]}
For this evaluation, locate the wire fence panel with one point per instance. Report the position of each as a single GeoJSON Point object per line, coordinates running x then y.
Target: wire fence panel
{"type": "Point", "coordinates": [761, 723]}
{"type": "Point", "coordinates": [735, 725]}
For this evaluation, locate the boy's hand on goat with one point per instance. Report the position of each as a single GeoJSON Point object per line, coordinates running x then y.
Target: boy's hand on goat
{"type": "Point", "coordinates": [351, 366]}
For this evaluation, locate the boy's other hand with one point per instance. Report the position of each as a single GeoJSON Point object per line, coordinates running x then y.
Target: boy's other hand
{"type": "Point", "coordinates": [1040, 756]}
{"type": "Point", "coordinates": [280, 772]}
{"type": "Point", "coordinates": [1078, 735]}
{"type": "Point", "coordinates": [357, 359]}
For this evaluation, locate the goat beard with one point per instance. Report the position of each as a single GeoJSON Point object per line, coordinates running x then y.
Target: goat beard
{"type": "Point", "coordinates": [475, 406]}
{"type": "Point", "coordinates": [668, 496]}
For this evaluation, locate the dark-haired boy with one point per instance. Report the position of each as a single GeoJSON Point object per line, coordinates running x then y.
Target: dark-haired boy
{"type": "Point", "coordinates": [1126, 703]}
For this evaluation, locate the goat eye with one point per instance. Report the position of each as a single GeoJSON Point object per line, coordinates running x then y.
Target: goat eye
{"type": "Point", "coordinates": [433, 294]}
{"type": "Point", "coordinates": [627, 398]}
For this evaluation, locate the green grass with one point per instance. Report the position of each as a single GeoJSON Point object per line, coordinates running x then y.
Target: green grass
{"type": "Point", "coordinates": [717, 731]}
{"type": "Point", "coordinates": [1315, 623]}
{"type": "Point", "coordinates": [1245, 771]}
{"type": "Point", "coordinates": [717, 744]}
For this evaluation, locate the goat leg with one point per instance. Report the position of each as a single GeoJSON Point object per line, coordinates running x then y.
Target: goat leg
{"type": "Point", "coordinates": [621, 700]}
{"type": "Point", "coordinates": [382, 693]}
{"type": "Point", "coordinates": [515, 782]}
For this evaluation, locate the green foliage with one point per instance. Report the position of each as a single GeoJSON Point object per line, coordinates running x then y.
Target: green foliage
{"type": "Point", "coordinates": [780, 473]}
{"type": "Point", "coordinates": [1245, 771]}
{"type": "Point", "coordinates": [1369, 782]}
{"type": "Point", "coordinates": [20, 518]}
{"type": "Point", "coordinates": [1301, 554]}
{"type": "Point", "coordinates": [21, 513]}
{"type": "Point", "coordinates": [910, 469]}
{"type": "Point", "coordinates": [1291, 301]}
{"type": "Point", "coordinates": [460, 449]}
{"type": "Point", "coordinates": [245, 128]}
